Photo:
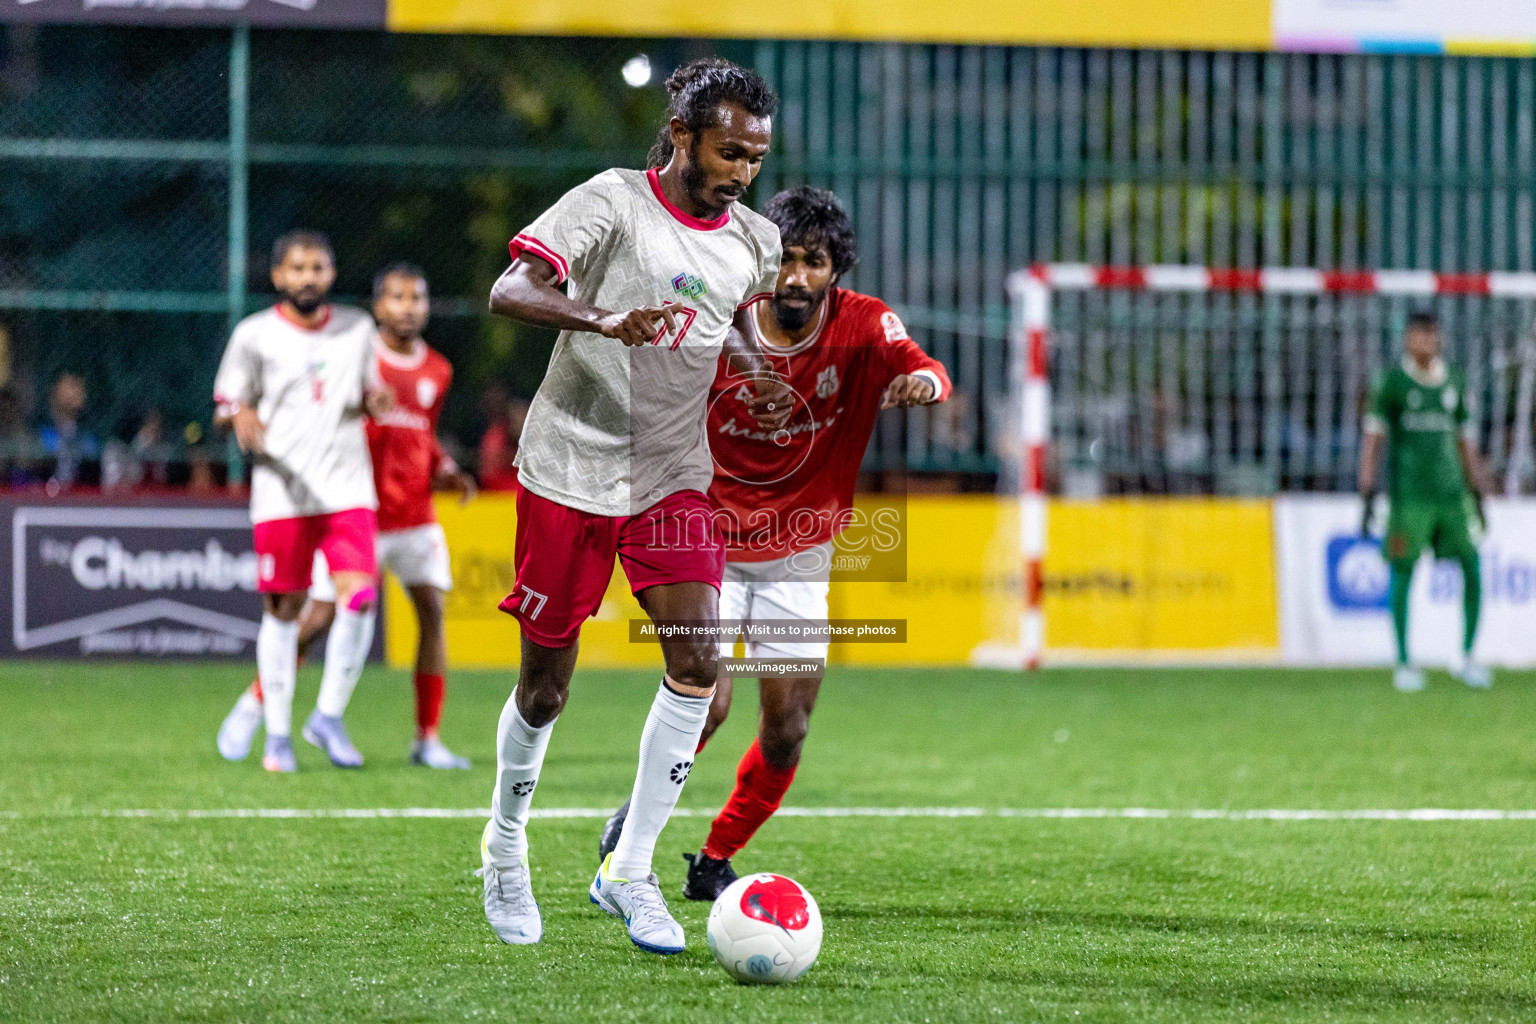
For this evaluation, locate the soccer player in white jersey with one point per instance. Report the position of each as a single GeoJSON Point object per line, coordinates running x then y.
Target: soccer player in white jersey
{"type": "Point", "coordinates": [408, 465]}
{"type": "Point", "coordinates": [295, 382]}
{"type": "Point", "coordinates": [663, 266]}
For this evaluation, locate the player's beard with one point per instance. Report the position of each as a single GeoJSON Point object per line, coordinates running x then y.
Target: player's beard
{"type": "Point", "coordinates": [694, 184]}
{"type": "Point", "coordinates": [306, 302]}
{"type": "Point", "coordinates": [792, 318]}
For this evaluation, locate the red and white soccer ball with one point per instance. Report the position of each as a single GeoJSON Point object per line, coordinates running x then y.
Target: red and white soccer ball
{"type": "Point", "coordinates": [765, 929]}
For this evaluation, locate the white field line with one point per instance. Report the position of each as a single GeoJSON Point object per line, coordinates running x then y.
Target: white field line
{"type": "Point", "coordinates": [1181, 814]}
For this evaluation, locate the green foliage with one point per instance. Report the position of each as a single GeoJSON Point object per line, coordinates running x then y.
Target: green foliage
{"type": "Point", "coordinates": [435, 149]}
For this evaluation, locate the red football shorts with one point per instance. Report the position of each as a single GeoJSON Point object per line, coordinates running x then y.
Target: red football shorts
{"type": "Point", "coordinates": [565, 558]}
{"type": "Point", "coordinates": [285, 548]}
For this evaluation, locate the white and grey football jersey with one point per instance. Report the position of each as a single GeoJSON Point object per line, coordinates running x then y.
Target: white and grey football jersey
{"type": "Point", "coordinates": [614, 429]}
{"type": "Point", "coordinates": [306, 386]}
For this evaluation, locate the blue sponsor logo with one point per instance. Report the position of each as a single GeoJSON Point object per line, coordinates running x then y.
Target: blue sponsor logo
{"type": "Point", "coordinates": [1357, 574]}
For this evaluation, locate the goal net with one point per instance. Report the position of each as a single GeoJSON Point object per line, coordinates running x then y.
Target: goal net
{"type": "Point", "coordinates": [1179, 380]}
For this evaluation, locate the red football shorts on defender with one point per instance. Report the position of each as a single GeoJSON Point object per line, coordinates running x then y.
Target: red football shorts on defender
{"type": "Point", "coordinates": [565, 558]}
{"type": "Point", "coordinates": [285, 548]}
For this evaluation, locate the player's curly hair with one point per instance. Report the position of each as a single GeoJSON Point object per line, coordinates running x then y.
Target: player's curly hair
{"type": "Point", "coordinates": [811, 218]}
{"type": "Point", "coordinates": [698, 88]}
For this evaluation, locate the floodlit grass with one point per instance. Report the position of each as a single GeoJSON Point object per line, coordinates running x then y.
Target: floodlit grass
{"type": "Point", "coordinates": [928, 919]}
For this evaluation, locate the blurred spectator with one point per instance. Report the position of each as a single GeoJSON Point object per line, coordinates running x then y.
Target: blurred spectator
{"type": "Point", "coordinates": [143, 461]}
{"type": "Point", "coordinates": [18, 448]}
{"type": "Point", "coordinates": [151, 450]}
{"type": "Point", "coordinates": [61, 435]}
{"type": "Point", "coordinates": [120, 471]}
{"type": "Point", "coordinates": [498, 448]}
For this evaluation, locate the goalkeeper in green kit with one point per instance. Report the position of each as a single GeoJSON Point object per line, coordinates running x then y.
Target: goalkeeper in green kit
{"type": "Point", "coordinates": [1435, 484]}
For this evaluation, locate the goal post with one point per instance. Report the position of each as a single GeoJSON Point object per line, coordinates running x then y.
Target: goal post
{"type": "Point", "coordinates": [1278, 326]}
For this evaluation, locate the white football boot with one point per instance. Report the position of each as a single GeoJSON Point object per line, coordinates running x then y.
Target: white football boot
{"type": "Point", "coordinates": [430, 753]}
{"type": "Point", "coordinates": [641, 907]}
{"type": "Point", "coordinates": [1473, 674]}
{"type": "Point", "coordinates": [1408, 679]}
{"type": "Point", "coordinates": [509, 904]}
{"type": "Point", "coordinates": [238, 730]}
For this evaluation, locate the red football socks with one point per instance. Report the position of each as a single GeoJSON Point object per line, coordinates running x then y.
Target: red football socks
{"type": "Point", "coordinates": [759, 789]}
{"type": "Point", "coordinates": [429, 703]}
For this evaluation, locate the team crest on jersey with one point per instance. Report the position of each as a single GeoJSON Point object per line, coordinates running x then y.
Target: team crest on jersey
{"type": "Point", "coordinates": [894, 329]}
{"type": "Point", "coordinates": [1415, 400]}
{"type": "Point", "coordinates": [826, 382]}
{"type": "Point", "coordinates": [426, 391]}
{"type": "Point", "coordinates": [689, 286]}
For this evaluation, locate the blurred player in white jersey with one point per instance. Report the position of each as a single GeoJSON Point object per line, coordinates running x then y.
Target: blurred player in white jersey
{"type": "Point", "coordinates": [784, 496]}
{"type": "Point", "coordinates": [296, 381]}
{"type": "Point", "coordinates": [408, 464]}
{"type": "Point", "coordinates": [614, 460]}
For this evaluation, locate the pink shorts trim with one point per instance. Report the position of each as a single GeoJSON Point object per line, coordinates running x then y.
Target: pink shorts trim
{"type": "Point", "coordinates": [565, 558]}
{"type": "Point", "coordinates": [285, 548]}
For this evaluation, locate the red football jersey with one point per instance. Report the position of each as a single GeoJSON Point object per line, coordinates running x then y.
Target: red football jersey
{"type": "Point", "coordinates": [789, 491]}
{"type": "Point", "coordinates": [403, 443]}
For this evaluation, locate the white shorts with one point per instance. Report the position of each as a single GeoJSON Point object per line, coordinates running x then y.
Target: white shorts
{"type": "Point", "coordinates": [792, 588]}
{"type": "Point", "coordinates": [417, 556]}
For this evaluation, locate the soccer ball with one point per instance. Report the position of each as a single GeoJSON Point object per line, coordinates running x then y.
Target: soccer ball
{"type": "Point", "coordinates": [765, 929]}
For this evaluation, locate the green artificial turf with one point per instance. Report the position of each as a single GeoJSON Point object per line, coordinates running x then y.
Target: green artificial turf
{"type": "Point", "coordinates": [927, 918]}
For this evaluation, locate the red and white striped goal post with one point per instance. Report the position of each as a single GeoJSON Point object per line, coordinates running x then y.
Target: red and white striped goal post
{"type": "Point", "coordinates": [1030, 291]}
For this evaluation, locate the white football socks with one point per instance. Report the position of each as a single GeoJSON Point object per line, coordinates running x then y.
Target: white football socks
{"type": "Point", "coordinates": [346, 651]}
{"type": "Point", "coordinates": [519, 755]}
{"type": "Point", "coordinates": [667, 746]}
{"type": "Point", "coordinates": [277, 662]}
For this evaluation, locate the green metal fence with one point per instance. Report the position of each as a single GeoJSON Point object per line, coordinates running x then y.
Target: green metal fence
{"type": "Point", "coordinates": [964, 162]}
{"type": "Point", "coordinates": [133, 161]}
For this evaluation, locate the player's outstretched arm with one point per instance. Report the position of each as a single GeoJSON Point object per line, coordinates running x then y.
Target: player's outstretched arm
{"type": "Point", "coordinates": [906, 390]}
{"type": "Point", "coordinates": [916, 377]}
{"type": "Point", "coordinates": [527, 293]}
{"type": "Point", "coordinates": [773, 402]}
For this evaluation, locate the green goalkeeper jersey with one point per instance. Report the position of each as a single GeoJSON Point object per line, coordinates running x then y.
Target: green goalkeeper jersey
{"type": "Point", "coordinates": [1422, 414]}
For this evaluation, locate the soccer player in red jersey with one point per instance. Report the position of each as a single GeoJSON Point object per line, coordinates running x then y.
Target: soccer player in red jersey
{"type": "Point", "coordinates": [408, 465]}
{"type": "Point", "coordinates": [783, 495]}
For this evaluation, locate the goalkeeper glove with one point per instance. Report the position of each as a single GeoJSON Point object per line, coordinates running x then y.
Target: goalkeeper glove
{"type": "Point", "coordinates": [1367, 511]}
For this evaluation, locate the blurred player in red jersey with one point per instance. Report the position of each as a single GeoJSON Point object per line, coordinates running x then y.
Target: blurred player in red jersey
{"type": "Point", "coordinates": [408, 465]}
{"type": "Point", "coordinates": [783, 495]}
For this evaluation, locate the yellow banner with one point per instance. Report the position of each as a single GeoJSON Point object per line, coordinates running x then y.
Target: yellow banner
{"type": "Point", "coordinates": [1158, 577]}
{"type": "Point", "coordinates": [1196, 24]}
{"type": "Point", "coordinates": [1166, 575]}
